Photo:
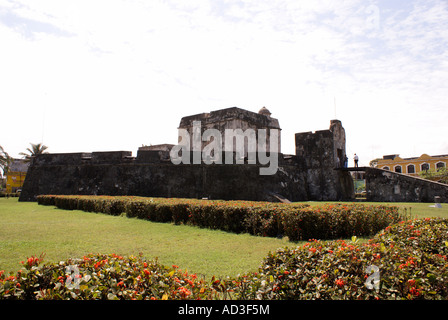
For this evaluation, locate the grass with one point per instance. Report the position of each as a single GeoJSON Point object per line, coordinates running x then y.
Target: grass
{"type": "Point", "coordinates": [28, 229]}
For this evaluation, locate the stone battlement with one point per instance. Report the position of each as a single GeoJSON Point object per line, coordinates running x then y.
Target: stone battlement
{"type": "Point", "coordinates": [125, 157]}
{"type": "Point", "coordinates": [78, 158]}
{"type": "Point", "coordinates": [152, 173]}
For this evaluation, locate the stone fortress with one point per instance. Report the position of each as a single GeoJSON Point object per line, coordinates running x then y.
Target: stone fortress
{"type": "Point", "coordinates": [313, 173]}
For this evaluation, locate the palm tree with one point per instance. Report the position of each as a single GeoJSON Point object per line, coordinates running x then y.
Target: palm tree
{"type": "Point", "coordinates": [35, 150]}
{"type": "Point", "coordinates": [5, 160]}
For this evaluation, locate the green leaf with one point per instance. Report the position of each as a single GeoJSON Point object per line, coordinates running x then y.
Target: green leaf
{"type": "Point", "coordinates": [431, 277]}
{"type": "Point", "coordinates": [86, 278]}
{"type": "Point", "coordinates": [111, 296]}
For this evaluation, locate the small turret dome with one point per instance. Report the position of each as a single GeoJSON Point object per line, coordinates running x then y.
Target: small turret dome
{"type": "Point", "coordinates": [264, 111]}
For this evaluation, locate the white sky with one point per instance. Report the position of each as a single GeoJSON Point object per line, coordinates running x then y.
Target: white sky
{"type": "Point", "coordinates": [113, 75]}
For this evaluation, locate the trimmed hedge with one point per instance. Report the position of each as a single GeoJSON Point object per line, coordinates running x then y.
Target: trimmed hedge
{"type": "Point", "coordinates": [296, 221]}
{"type": "Point", "coordinates": [104, 277]}
{"type": "Point", "coordinates": [9, 195]}
{"type": "Point", "coordinates": [411, 258]}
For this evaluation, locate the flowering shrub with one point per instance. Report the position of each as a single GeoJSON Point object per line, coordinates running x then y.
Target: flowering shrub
{"type": "Point", "coordinates": [427, 235]}
{"type": "Point", "coordinates": [110, 277]}
{"type": "Point", "coordinates": [296, 221]}
{"type": "Point", "coordinates": [411, 258]}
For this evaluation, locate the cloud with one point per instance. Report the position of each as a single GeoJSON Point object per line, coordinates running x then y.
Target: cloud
{"type": "Point", "coordinates": [19, 18]}
{"type": "Point", "coordinates": [29, 27]}
{"type": "Point", "coordinates": [124, 73]}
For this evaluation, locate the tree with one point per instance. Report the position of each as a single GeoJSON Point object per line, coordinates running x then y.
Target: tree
{"type": "Point", "coordinates": [35, 150]}
{"type": "Point", "coordinates": [373, 163]}
{"type": "Point", "coordinates": [439, 175]}
{"type": "Point", "coordinates": [5, 160]}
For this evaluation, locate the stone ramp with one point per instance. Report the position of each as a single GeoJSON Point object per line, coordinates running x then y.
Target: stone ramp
{"type": "Point", "coordinates": [387, 186]}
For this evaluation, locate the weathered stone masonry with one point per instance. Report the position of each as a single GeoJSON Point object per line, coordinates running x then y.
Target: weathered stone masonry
{"type": "Point", "coordinates": [385, 185]}
{"type": "Point", "coordinates": [320, 153]}
{"type": "Point", "coordinates": [313, 173]}
{"type": "Point", "coordinates": [308, 175]}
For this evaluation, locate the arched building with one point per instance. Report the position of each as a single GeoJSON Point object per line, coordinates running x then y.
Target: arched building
{"type": "Point", "coordinates": [412, 166]}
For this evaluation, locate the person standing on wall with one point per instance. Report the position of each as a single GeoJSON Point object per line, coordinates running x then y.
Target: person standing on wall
{"type": "Point", "coordinates": [356, 160]}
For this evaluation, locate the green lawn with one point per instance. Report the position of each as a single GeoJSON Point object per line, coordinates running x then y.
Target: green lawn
{"type": "Point", "coordinates": [28, 229]}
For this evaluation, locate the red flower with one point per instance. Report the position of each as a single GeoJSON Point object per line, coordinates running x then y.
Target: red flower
{"type": "Point", "coordinates": [146, 271]}
{"type": "Point", "coordinates": [339, 282]}
{"type": "Point", "coordinates": [184, 291]}
{"type": "Point", "coordinates": [411, 282]}
{"type": "Point", "coordinates": [32, 261]}
{"type": "Point", "coordinates": [414, 291]}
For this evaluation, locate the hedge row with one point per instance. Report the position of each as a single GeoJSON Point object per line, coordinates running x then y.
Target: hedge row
{"type": "Point", "coordinates": [411, 261]}
{"type": "Point", "coordinates": [410, 258]}
{"type": "Point", "coordinates": [9, 195]}
{"type": "Point", "coordinates": [296, 221]}
{"type": "Point", "coordinates": [104, 277]}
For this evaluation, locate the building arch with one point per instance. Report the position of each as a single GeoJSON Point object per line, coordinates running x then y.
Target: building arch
{"type": "Point", "coordinates": [440, 165]}
{"type": "Point", "coordinates": [425, 166]}
{"type": "Point", "coordinates": [398, 169]}
{"type": "Point", "coordinates": [410, 168]}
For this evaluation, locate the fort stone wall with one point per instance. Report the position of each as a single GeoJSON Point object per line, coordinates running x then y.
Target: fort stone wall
{"type": "Point", "coordinates": [387, 186]}
{"type": "Point", "coordinates": [307, 175]}
{"type": "Point", "coordinates": [150, 174]}
{"type": "Point", "coordinates": [321, 152]}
